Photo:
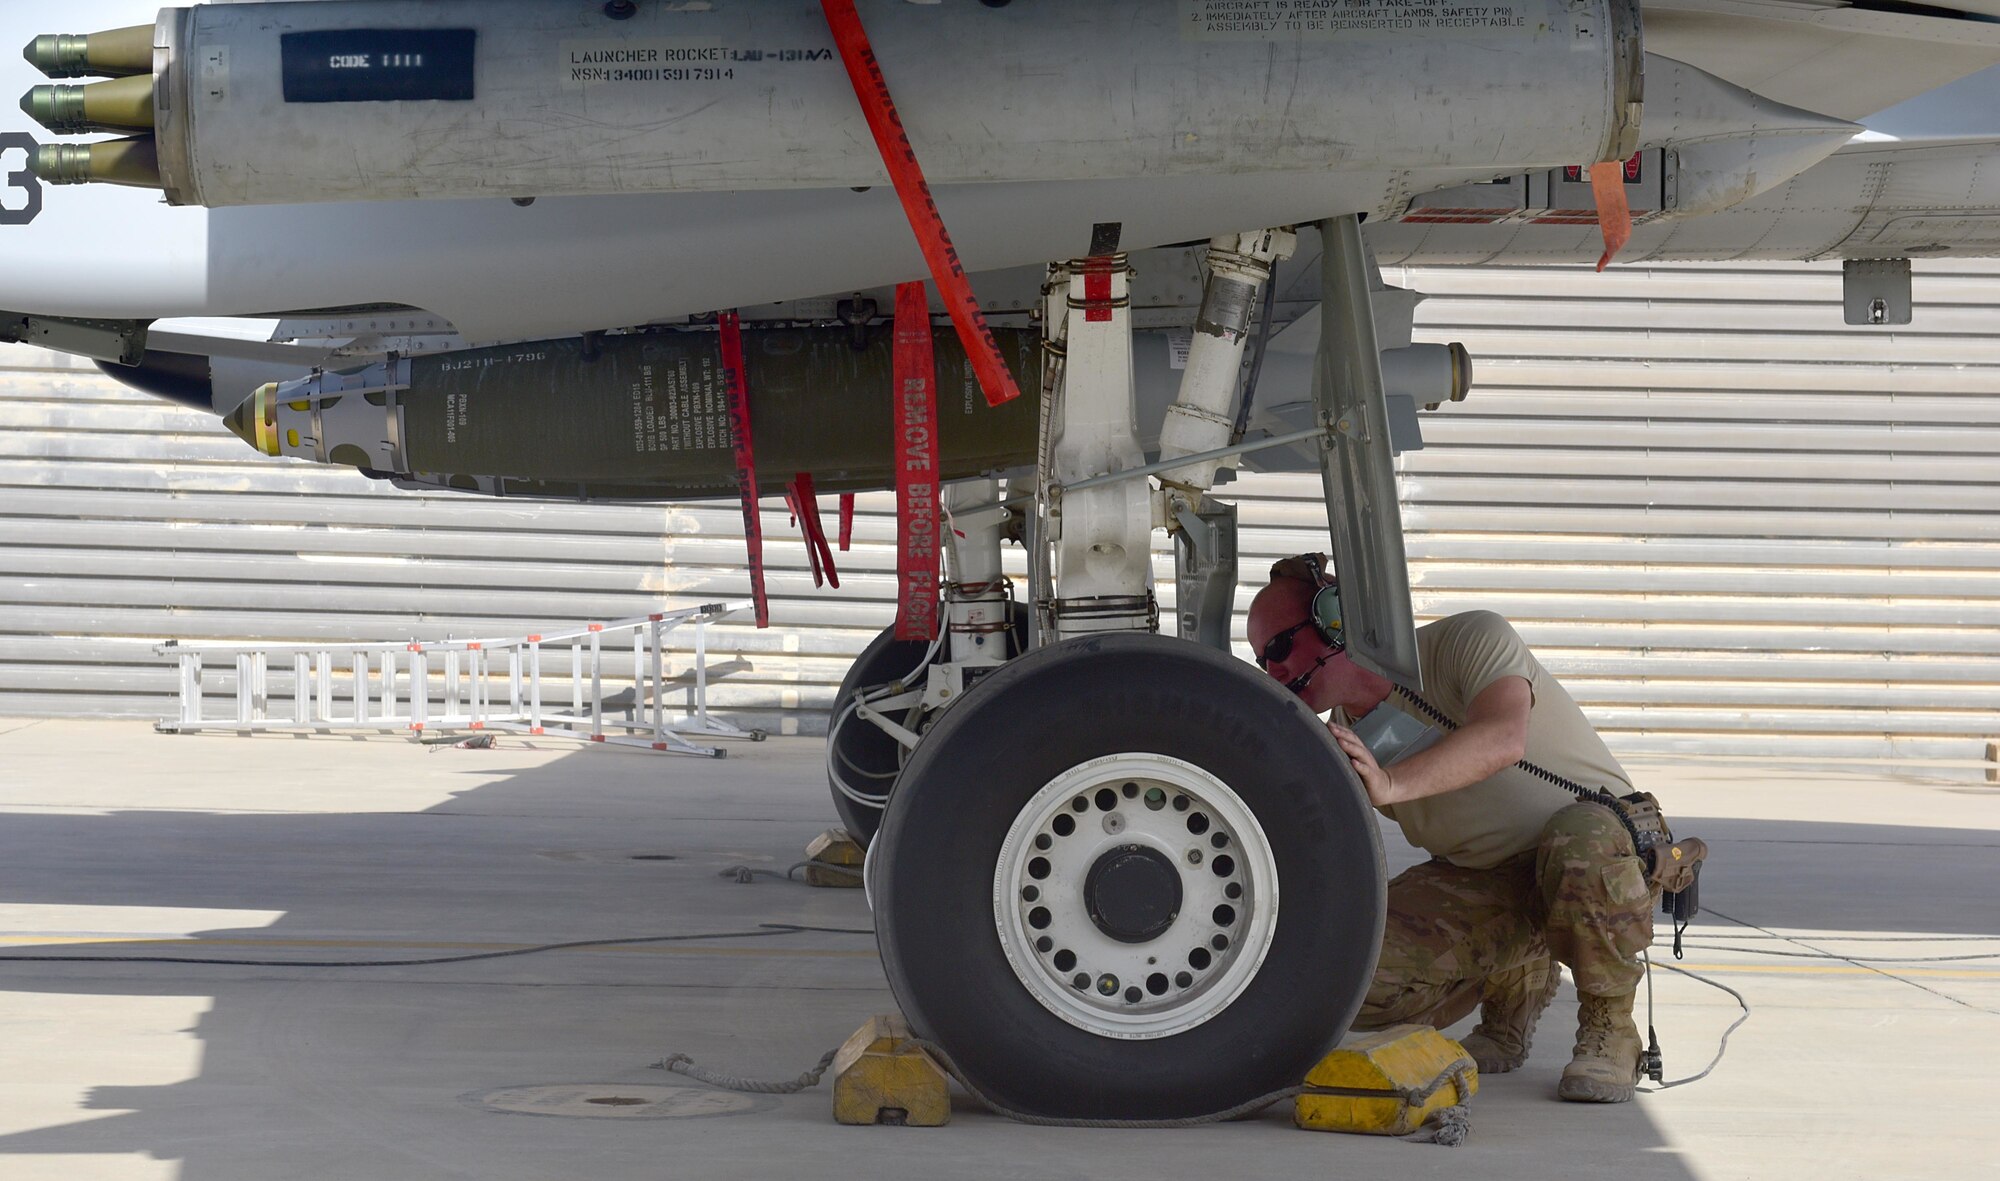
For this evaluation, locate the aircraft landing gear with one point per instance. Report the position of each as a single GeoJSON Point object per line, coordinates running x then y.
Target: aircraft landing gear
{"type": "Point", "coordinates": [1126, 876]}
{"type": "Point", "coordinates": [864, 761]}
{"type": "Point", "coordinates": [894, 679]}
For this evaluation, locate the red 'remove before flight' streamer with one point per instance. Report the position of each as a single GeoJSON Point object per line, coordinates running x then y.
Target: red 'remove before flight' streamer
{"type": "Point", "coordinates": [1614, 214]}
{"type": "Point", "coordinates": [908, 176]}
{"type": "Point", "coordinates": [915, 416]}
{"type": "Point", "coordinates": [738, 395]}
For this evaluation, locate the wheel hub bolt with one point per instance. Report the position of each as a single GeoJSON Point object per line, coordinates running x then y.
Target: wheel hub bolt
{"type": "Point", "coordinates": [1107, 984]}
{"type": "Point", "coordinates": [1194, 856]}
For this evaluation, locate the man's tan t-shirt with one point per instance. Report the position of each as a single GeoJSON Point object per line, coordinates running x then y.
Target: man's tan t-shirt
{"type": "Point", "coordinates": [1485, 823]}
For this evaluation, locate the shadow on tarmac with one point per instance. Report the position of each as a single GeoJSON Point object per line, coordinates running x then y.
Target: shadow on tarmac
{"type": "Point", "coordinates": [305, 1066]}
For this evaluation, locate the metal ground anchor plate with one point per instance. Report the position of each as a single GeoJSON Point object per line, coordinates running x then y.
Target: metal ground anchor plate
{"type": "Point", "coordinates": [618, 1101]}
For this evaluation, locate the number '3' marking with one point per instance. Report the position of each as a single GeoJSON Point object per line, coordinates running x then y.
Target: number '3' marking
{"type": "Point", "coordinates": [20, 178]}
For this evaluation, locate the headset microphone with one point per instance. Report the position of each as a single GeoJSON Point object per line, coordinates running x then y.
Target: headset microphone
{"type": "Point", "coordinates": [1298, 684]}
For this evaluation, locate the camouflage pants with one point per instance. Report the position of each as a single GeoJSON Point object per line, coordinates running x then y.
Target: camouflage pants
{"type": "Point", "coordinates": [1581, 896]}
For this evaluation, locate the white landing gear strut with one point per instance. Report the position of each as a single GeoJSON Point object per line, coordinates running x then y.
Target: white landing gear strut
{"type": "Point", "coordinates": [1099, 536]}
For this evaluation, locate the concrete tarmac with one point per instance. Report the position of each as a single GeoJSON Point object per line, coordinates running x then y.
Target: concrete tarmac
{"type": "Point", "coordinates": [1830, 899]}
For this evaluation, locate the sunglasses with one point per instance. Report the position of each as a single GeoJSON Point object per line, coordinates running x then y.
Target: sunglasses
{"type": "Point", "coordinates": [1278, 647]}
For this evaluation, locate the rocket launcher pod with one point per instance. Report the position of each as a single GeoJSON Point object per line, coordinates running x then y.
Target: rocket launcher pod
{"type": "Point", "coordinates": [122, 104]}
{"type": "Point", "coordinates": [132, 161]}
{"type": "Point", "coordinates": [645, 418]}
{"type": "Point", "coordinates": [113, 54]}
{"type": "Point", "coordinates": [523, 97]}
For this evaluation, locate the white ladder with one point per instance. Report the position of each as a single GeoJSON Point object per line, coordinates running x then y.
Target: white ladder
{"type": "Point", "coordinates": [476, 685]}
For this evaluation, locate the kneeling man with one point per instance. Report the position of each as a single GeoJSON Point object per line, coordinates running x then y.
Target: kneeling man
{"type": "Point", "coordinates": [1523, 876]}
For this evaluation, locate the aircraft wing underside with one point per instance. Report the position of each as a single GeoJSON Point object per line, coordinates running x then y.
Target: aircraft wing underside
{"type": "Point", "coordinates": [1845, 60]}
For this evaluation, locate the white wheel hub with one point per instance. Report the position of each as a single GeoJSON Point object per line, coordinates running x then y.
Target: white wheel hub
{"type": "Point", "coordinates": [1135, 895]}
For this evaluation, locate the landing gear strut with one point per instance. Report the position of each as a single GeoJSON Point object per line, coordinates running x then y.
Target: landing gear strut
{"type": "Point", "coordinates": [1128, 876]}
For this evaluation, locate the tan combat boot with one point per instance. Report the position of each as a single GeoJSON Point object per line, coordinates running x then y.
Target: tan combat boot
{"type": "Point", "coordinates": [1608, 1049]}
{"type": "Point", "coordinates": [1509, 1005]}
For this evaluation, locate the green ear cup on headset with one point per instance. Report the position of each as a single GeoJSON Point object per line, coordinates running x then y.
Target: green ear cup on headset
{"type": "Point", "coordinates": [1326, 616]}
{"type": "Point", "coordinates": [1325, 609]}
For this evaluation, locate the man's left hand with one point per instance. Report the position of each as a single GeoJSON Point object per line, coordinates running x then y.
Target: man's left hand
{"type": "Point", "coordinates": [1380, 784]}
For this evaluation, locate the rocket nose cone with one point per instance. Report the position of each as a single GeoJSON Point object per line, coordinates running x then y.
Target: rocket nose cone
{"type": "Point", "coordinates": [59, 164]}
{"type": "Point", "coordinates": [36, 103]}
{"type": "Point", "coordinates": [45, 162]}
{"type": "Point", "coordinates": [45, 54]}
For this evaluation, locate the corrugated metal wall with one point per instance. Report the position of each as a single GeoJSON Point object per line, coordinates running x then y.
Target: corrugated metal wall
{"type": "Point", "coordinates": [1729, 523]}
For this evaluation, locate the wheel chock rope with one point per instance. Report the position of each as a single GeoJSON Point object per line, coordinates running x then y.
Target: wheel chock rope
{"type": "Point", "coordinates": [682, 1064]}
{"type": "Point", "coordinates": [900, 158]}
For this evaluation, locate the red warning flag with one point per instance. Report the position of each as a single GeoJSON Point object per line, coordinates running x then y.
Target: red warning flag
{"type": "Point", "coordinates": [738, 395]}
{"type": "Point", "coordinates": [846, 520]}
{"type": "Point", "coordinates": [1614, 216]}
{"type": "Point", "coordinates": [913, 411]}
{"type": "Point", "coordinates": [908, 176]}
{"type": "Point", "coordinates": [805, 510]}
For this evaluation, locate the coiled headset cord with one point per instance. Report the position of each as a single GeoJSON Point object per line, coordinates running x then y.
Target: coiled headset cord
{"type": "Point", "coordinates": [1586, 794]}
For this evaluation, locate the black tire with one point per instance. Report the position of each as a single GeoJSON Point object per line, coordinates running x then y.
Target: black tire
{"type": "Point", "coordinates": [1025, 725]}
{"type": "Point", "coordinates": [869, 759]}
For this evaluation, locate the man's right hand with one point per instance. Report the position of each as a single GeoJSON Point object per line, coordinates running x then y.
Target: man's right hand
{"type": "Point", "coordinates": [1375, 779]}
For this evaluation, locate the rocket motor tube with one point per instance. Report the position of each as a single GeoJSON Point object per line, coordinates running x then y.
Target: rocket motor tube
{"type": "Point", "coordinates": [116, 53]}
{"type": "Point", "coordinates": [133, 162]}
{"type": "Point", "coordinates": [648, 412]}
{"type": "Point", "coordinates": [282, 103]}
{"type": "Point", "coordinates": [122, 105]}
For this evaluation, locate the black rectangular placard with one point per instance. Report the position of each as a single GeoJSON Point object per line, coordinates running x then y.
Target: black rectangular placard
{"type": "Point", "coordinates": [378, 65]}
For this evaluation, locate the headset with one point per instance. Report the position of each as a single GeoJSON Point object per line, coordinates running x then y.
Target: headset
{"type": "Point", "coordinates": [1324, 614]}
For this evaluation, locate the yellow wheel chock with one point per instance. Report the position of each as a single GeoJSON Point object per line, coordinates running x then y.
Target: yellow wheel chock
{"type": "Point", "coordinates": [1387, 1083]}
{"type": "Point", "coordinates": [833, 859]}
{"type": "Point", "coordinates": [881, 1077]}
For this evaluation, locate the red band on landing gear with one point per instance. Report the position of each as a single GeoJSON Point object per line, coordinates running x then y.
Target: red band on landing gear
{"type": "Point", "coordinates": [738, 394]}
{"type": "Point", "coordinates": [908, 176]}
{"type": "Point", "coordinates": [915, 417]}
{"type": "Point", "coordinates": [846, 520]}
{"type": "Point", "coordinates": [1097, 290]}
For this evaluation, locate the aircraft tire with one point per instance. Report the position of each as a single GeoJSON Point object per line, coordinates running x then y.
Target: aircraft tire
{"type": "Point", "coordinates": [865, 756]}
{"type": "Point", "coordinates": [1026, 857]}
